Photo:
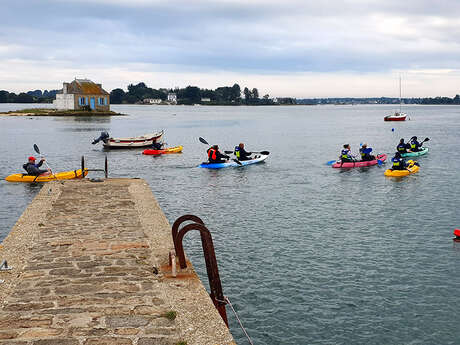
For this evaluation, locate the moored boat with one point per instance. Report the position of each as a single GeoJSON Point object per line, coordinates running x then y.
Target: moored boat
{"type": "Point", "coordinates": [65, 175]}
{"type": "Point", "coordinates": [397, 116]}
{"type": "Point", "coordinates": [175, 149]}
{"type": "Point", "coordinates": [233, 163]}
{"type": "Point", "coordinates": [360, 164]}
{"type": "Point", "coordinates": [145, 140]}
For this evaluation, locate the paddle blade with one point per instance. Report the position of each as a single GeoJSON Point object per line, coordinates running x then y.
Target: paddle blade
{"type": "Point", "coordinates": [228, 152]}
{"type": "Point", "coordinates": [36, 148]}
{"type": "Point", "coordinates": [330, 162]}
{"type": "Point", "coordinates": [264, 153]}
{"type": "Point", "coordinates": [427, 139]}
{"type": "Point", "coordinates": [203, 141]}
{"type": "Point", "coordinates": [379, 162]}
{"type": "Point", "coordinates": [237, 162]}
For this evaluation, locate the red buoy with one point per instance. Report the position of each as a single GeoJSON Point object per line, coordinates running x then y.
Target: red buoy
{"type": "Point", "coordinates": [457, 235]}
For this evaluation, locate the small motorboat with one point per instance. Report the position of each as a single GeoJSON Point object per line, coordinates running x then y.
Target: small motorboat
{"type": "Point", "coordinates": [145, 140]}
{"type": "Point", "coordinates": [397, 116]}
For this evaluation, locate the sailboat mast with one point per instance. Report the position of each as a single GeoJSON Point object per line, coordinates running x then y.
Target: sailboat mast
{"type": "Point", "coordinates": [400, 93]}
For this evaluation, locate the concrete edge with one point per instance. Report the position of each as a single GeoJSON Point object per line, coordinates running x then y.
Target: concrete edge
{"type": "Point", "coordinates": [197, 318]}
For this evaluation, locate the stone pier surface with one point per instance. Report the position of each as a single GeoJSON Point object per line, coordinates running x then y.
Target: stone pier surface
{"type": "Point", "coordinates": [90, 267]}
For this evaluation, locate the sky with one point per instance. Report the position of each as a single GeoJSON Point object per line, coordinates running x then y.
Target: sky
{"type": "Point", "coordinates": [291, 48]}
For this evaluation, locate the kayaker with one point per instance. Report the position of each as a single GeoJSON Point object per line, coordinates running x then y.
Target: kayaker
{"type": "Point", "coordinates": [157, 145]}
{"type": "Point", "coordinates": [415, 145]}
{"type": "Point", "coordinates": [241, 154]}
{"type": "Point", "coordinates": [398, 162]}
{"type": "Point", "coordinates": [214, 155]}
{"type": "Point", "coordinates": [346, 155]}
{"type": "Point", "coordinates": [402, 146]}
{"type": "Point", "coordinates": [33, 169]}
{"type": "Point", "coordinates": [366, 153]}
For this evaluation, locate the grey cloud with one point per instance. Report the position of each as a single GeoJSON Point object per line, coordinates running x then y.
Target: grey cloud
{"type": "Point", "coordinates": [267, 37]}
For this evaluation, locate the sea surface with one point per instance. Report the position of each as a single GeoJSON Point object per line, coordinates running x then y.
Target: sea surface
{"type": "Point", "coordinates": [307, 254]}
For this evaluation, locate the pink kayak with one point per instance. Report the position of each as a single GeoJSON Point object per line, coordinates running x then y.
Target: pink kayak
{"type": "Point", "coordinates": [359, 164]}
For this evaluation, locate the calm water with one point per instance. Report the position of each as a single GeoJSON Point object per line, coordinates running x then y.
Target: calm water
{"type": "Point", "coordinates": [307, 254]}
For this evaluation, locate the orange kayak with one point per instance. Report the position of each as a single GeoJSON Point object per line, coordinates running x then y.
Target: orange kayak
{"type": "Point", "coordinates": [176, 149]}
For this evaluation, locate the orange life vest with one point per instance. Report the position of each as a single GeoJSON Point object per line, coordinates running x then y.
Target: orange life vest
{"type": "Point", "coordinates": [212, 154]}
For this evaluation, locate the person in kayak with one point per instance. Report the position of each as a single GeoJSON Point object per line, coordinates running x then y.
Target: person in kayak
{"type": "Point", "coordinates": [157, 145]}
{"type": "Point", "coordinates": [346, 155]}
{"type": "Point", "coordinates": [402, 146]}
{"type": "Point", "coordinates": [415, 146]}
{"type": "Point", "coordinates": [34, 169]}
{"type": "Point", "coordinates": [241, 154]}
{"type": "Point", "coordinates": [366, 153]}
{"type": "Point", "coordinates": [398, 162]}
{"type": "Point", "coordinates": [215, 156]}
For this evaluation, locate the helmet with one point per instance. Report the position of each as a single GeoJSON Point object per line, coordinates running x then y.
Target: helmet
{"type": "Point", "coordinates": [31, 158]}
{"type": "Point", "coordinates": [402, 140]}
{"type": "Point", "coordinates": [397, 155]}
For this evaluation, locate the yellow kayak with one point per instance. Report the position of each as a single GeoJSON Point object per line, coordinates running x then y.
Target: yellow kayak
{"type": "Point", "coordinates": [65, 175]}
{"type": "Point", "coordinates": [411, 169]}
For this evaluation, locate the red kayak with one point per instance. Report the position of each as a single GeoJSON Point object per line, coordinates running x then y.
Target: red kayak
{"type": "Point", "coordinates": [176, 149]}
{"type": "Point", "coordinates": [359, 164]}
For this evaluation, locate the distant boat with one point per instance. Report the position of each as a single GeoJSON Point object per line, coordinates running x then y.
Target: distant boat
{"type": "Point", "coordinates": [397, 116]}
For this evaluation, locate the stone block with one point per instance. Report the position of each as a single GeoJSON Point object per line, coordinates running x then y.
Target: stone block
{"type": "Point", "coordinates": [156, 341]}
{"type": "Point", "coordinates": [108, 341]}
{"type": "Point", "coordinates": [41, 333]}
{"type": "Point", "coordinates": [14, 321]}
{"type": "Point", "coordinates": [56, 341]}
{"type": "Point", "coordinates": [6, 334]}
{"type": "Point", "coordinates": [126, 321]}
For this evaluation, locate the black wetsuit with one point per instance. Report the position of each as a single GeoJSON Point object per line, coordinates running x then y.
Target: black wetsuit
{"type": "Point", "coordinates": [242, 154]}
{"type": "Point", "coordinates": [33, 169]}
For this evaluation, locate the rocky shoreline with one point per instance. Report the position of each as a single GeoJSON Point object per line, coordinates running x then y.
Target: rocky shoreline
{"type": "Point", "coordinates": [55, 112]}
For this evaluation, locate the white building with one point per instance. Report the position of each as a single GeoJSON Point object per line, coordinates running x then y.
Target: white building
{"type": "Point", "coordinates": [205, 99]}
{"type": "Point", "coordinates": [152, 100]}
{"type": "Point", "coordinates": [172, 98]}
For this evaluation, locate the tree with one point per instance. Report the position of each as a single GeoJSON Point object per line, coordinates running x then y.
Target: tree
{"type": "Point", "coordinates": [247, 95]}
{"type": "Point", "coordinates": [24, 98]}
{"type": "Point", "coordinates": [117, 96]}
{"type": "Point", "coordinates": [255, 93]}
{"type": "Point", "coordinates": [4, 96]}
{"type": "Point", "coordinates": [236, 93]}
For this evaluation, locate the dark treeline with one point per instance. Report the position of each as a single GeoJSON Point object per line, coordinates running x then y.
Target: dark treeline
{"type": "Point", "coordinates": [380, 100]}
{"type": "Point", "coordinates": [225, 95]}
{"type": "Point", "coordinates": [36, 96]}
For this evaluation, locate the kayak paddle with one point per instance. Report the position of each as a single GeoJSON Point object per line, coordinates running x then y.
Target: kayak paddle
{"type": "Point", "coordinates": [206, 143]}
{"type": "Point", "coordinates": [331, 162]}
{"type": "Point", "coordinates": [265, 153]}
{"type": "Point", "coordinates": [41, 156]}
{"type": "Point", "coordinates": [203, 141]}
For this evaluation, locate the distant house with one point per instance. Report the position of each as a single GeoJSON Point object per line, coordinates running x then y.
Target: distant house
{"type": "Point", "coordinates": [205, 99]}
{"type": "Point", "coordinates": [152, 100]}
{"type": "Point", "coordinates": [172, 98]}
{"type": "Point", "coordinates": [80, 94]}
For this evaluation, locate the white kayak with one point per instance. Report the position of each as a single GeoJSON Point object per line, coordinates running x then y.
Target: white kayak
{"type": "Point", "coordinates": [233, 163]}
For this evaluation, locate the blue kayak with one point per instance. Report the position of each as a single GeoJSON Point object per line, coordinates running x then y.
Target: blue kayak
{"type": "Point", "coordinates": [232, 163]}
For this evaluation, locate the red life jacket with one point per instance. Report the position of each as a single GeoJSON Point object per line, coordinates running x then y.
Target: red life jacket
{"type": "Point", "coordinates": [212, 154]}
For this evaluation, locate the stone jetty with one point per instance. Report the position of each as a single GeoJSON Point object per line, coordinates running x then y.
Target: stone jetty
{"type": "Point", "coordinates": [90, 267]}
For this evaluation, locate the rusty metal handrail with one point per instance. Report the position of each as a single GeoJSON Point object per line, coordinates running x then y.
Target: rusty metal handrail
{"type": "Point", "coordinates": [179, 221]}
{"type": "Point", "coordinates": [215, 285]}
